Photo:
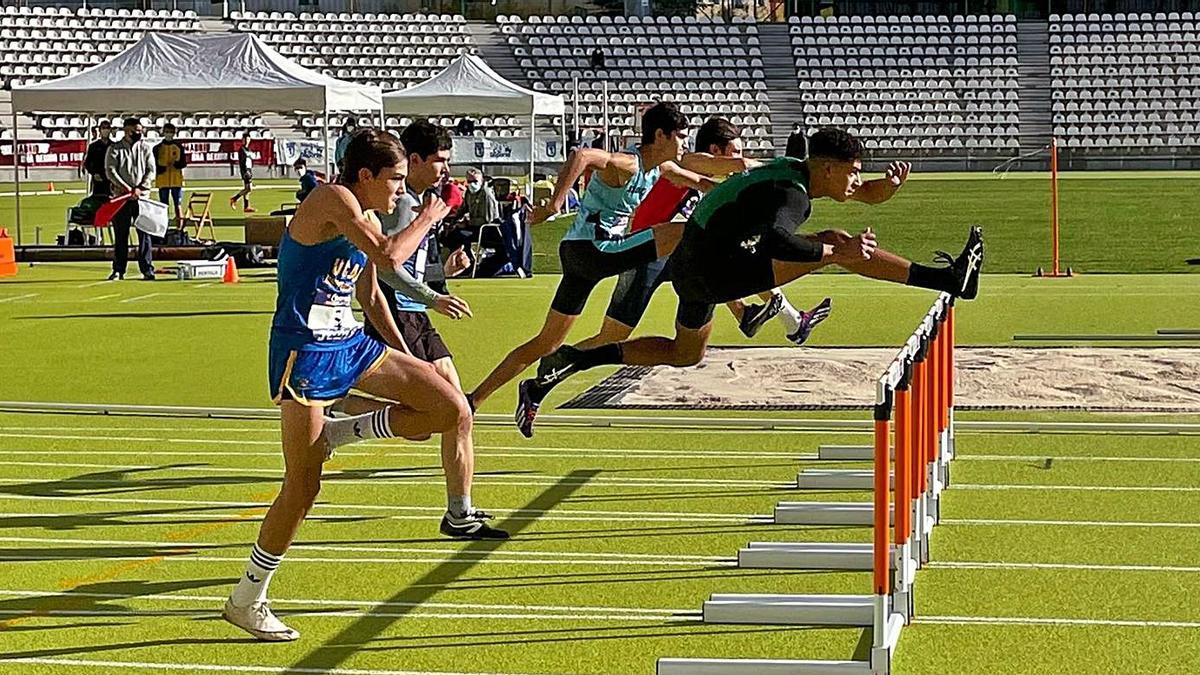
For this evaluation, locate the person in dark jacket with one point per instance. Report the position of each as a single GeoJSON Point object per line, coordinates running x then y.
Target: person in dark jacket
{"type": "Point", "coordinates": [93, 161]}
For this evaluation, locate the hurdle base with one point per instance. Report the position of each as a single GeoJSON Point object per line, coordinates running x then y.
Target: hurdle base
{"type": "Point", "coordinates": [760, 667]}
{"type": "Point", "coordinates": [810, 556]}
{"type": "Point", "coordinates": [881, 654]}
{"type": "Point", "coordinates": [849, 453]}
{"type": "Point", "coordinates": [858, 514]}
{"type": "Point", "coordinates": [791, 610]}
{"type": "Point", "coordinates": [839, 479]}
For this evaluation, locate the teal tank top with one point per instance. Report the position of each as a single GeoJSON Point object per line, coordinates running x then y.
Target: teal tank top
{"type": "Point", "coordinates": [605, 211]}
{"type": "Point", "coordinates": [316, 287]}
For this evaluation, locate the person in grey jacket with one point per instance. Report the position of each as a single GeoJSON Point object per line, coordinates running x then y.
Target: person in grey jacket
{"type": "Point", "coordinates": [129, 165]}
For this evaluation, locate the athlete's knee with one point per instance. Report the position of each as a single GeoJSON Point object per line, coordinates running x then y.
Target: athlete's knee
{"type": "Point", "coordinates": [454, 414]}
{"type": "Point", "coordinates": [686, 356]}
{"type": "Point", "coordinates": [302, 488]}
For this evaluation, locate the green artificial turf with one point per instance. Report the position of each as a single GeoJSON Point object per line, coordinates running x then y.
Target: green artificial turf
{"type": "Point", "coordinates": [1113, 222]}
{"type": "Point", "coordinates": [120, 536]}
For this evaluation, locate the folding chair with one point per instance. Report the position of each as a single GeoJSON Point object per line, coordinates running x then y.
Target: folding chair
{"type": "Point", "coordinates": [197, 215]}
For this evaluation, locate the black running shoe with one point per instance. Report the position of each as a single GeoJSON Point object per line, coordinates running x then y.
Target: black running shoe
{"type": "Point", "coordinates": [554, 367]}
{"type": "Point", "coordinates": [756, 316]}
{"type": "Point", "coordinates": [810, 320]}
{"type": "Point", "coordinates": [527, 407]}
{"type": "Point", "coordinates": [967, 266]}
{"type": "Point", "coordinates": [473, 526]}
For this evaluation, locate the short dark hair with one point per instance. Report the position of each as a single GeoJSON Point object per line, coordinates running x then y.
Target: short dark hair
{"type": "Point", "coordinates": [836, 144]}
{"type": "Point", "coordinates": [797, 145]}
{"type": "Point", "coordinates": [299, 163]}
{"type": "Point", "coordinates": [169, 127]}
{"type": "Point", "coordinates": [662, 116]}
{"type": "Point", "coordinates": [131, 122]}
{"type": "Point", "coordinates": [105, 123]}
{"type": "Point", "coordinates": [424, 138]}
{"type": "Point", "coordinates": [246, 134]}
{"type": "Point", "coordinates": [373, 150]}
{"type": "Point", "coordinates": [716, 131]}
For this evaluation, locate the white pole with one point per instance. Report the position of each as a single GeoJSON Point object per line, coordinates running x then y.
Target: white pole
{"type": "Point", "coordinates": [329, 166]}
{"type": "Point", "coordinates": [532, 123]}
{"type": "Point", "coordinates": [604, 93]}
{"type": "Point", "coordinates": [575, 105]}
{"type": "Point", "coordinates": [17, 172]}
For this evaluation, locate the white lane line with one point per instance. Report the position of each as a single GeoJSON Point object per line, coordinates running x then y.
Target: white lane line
{"type": "Point", "coordinates": [195, 667]}
{"type": "Point", "coordinates": [1080, 488]}
{"type": "Point", "coordinates": [1072, 458]}
{"type": "Point", "coordinates": [1046, 621]}
{"type": "Point", "coordinates": [1068, 523]}
{"type": "Point", "coordinates": [140, 297]}
{"type": "Point", "coordinates": [104, 297]}
{"type": "Point", "coordinates": [969, 564]}
{"type": "Point", "coordinates": [547, 481]}
{"type": "Point", "coordinates": [588, 451]}
{"type": "Point", "coordinates": [395, 451]}
{"type": "Point", "coordinates": [94, 283]}
{"type": "Point", "coordinates": [509, 513]}
{"type": "Point", "coordinates": [458, 559]}
{"type": "Point", "coordinates": [18, 297]}
{"type": "Point", "coordinates": [358, 614]}
{"type": "Point", "coordinates": [372, 549]}
{"type": "Point", "coordinates": [567, 609]}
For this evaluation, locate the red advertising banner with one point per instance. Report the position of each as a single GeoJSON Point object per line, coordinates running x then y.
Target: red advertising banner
{"type": "Point", "coordinates": [49, 154]}
{"type": "Point", "coordinates": [43, 154]}
{"type": "Point", "coordinates": [225, 151]}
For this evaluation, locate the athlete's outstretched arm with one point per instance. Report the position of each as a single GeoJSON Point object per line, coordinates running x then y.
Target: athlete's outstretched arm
{"type": "Point", "coordinates": [374, 304]}
{"type": "Point", "coordinates": [711, 165]}
{"type": "Point", "coordinates": [685, 178]}
{"type": "Point", "coordinates": [581, 160]}
{"type": "Point", "coordinates": [882, 189]}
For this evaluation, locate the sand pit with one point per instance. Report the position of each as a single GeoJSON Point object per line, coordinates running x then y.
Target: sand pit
{"type": "Point", "coordinates": [1098, 379]}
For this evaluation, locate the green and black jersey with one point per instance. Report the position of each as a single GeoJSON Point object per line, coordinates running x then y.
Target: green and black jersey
{"type": "Point", "coordinates": [739, 227]}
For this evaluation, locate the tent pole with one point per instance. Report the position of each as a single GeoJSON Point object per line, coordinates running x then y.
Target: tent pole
{"type": "Point", "coordinates": [328, 156]}
{"type": "Point", "coordinates": [605, 95]}
{"type": "Point", "coordinates": [17, 172]}
{"type": "Point", "coordinates": [532, 146]}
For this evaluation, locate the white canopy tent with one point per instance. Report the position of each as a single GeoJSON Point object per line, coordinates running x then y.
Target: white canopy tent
{"type": "Point", "coordinates": [222, 72]}
{"type": "Point", "coordinates": [468, 86]}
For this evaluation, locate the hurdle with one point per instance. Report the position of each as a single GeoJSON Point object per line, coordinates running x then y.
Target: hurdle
{"type": "Point", "coordinates": [914, 426]}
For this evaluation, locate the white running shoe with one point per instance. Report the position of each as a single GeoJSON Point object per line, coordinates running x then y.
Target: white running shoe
{"type": "Point", "coordinates": [258, 620]}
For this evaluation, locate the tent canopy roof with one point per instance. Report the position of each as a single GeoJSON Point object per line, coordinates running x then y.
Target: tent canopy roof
{"type": "Point", "coordinates": [222, 72]}
{"type": "Point", "coordinates": [468, 86]}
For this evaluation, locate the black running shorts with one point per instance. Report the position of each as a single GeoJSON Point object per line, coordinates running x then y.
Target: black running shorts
{"type": "Point", "coordinates": [584, 266]}
{"type": "Point", "coordinates": [419, 334]}
{"type": "Point", "coordinates": [631, 296]}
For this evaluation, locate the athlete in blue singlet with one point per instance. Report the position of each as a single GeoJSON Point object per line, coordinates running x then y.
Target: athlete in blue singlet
{"type": "Point", "coordinates": [599, 243]}
{"type": "Point", "coordinates": [332, 250]}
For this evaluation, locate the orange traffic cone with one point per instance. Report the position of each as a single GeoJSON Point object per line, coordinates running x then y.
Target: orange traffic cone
{"type": "Point", "coordinates": [231, 273]}
{"type": "Point", "coordinates": [8, 256]}
{"type": "Point", "coordinates": [50, 186]}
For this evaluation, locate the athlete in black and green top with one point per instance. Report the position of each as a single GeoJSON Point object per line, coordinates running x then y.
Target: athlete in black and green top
{"type": "Point", "coordinates": [741, 240]}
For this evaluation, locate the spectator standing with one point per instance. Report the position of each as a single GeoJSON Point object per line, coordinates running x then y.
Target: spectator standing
{"type": "Point", "coordinates": [93, 161]}
{"type": "Point", "coordinates": [343, 141]}
{"type": "Point", "coordinates": [246, 158]}
{"type": "Point", "coordinates": [169, 163]}
{"type": "Point", "coordinates": [129, 165]}
{"type": "Point", "coordinates": [480, 208]}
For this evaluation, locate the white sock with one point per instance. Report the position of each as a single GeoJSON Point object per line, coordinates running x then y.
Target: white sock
{"type": "Point", "coordinates": [252, 587]}
{"type": "Point", "coordinates": [459, 507]}
{"type": "Point", "coordinates": [345, 430]}
{"type": "Point", "coordinates": [789, 316]}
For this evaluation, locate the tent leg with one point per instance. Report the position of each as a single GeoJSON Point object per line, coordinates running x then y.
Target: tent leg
{"type": "Point", "coordinates": [532, 149]}
{"type": "Point", "coordinates": [16, 173]}
{"type": "Point", "coordinates": [325, 136]}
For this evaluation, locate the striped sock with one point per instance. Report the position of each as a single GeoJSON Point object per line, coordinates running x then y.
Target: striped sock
{"type": "Point", "coordinates": [345, 430]}
{"type": "Point", "coordinates": [252, 587]}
